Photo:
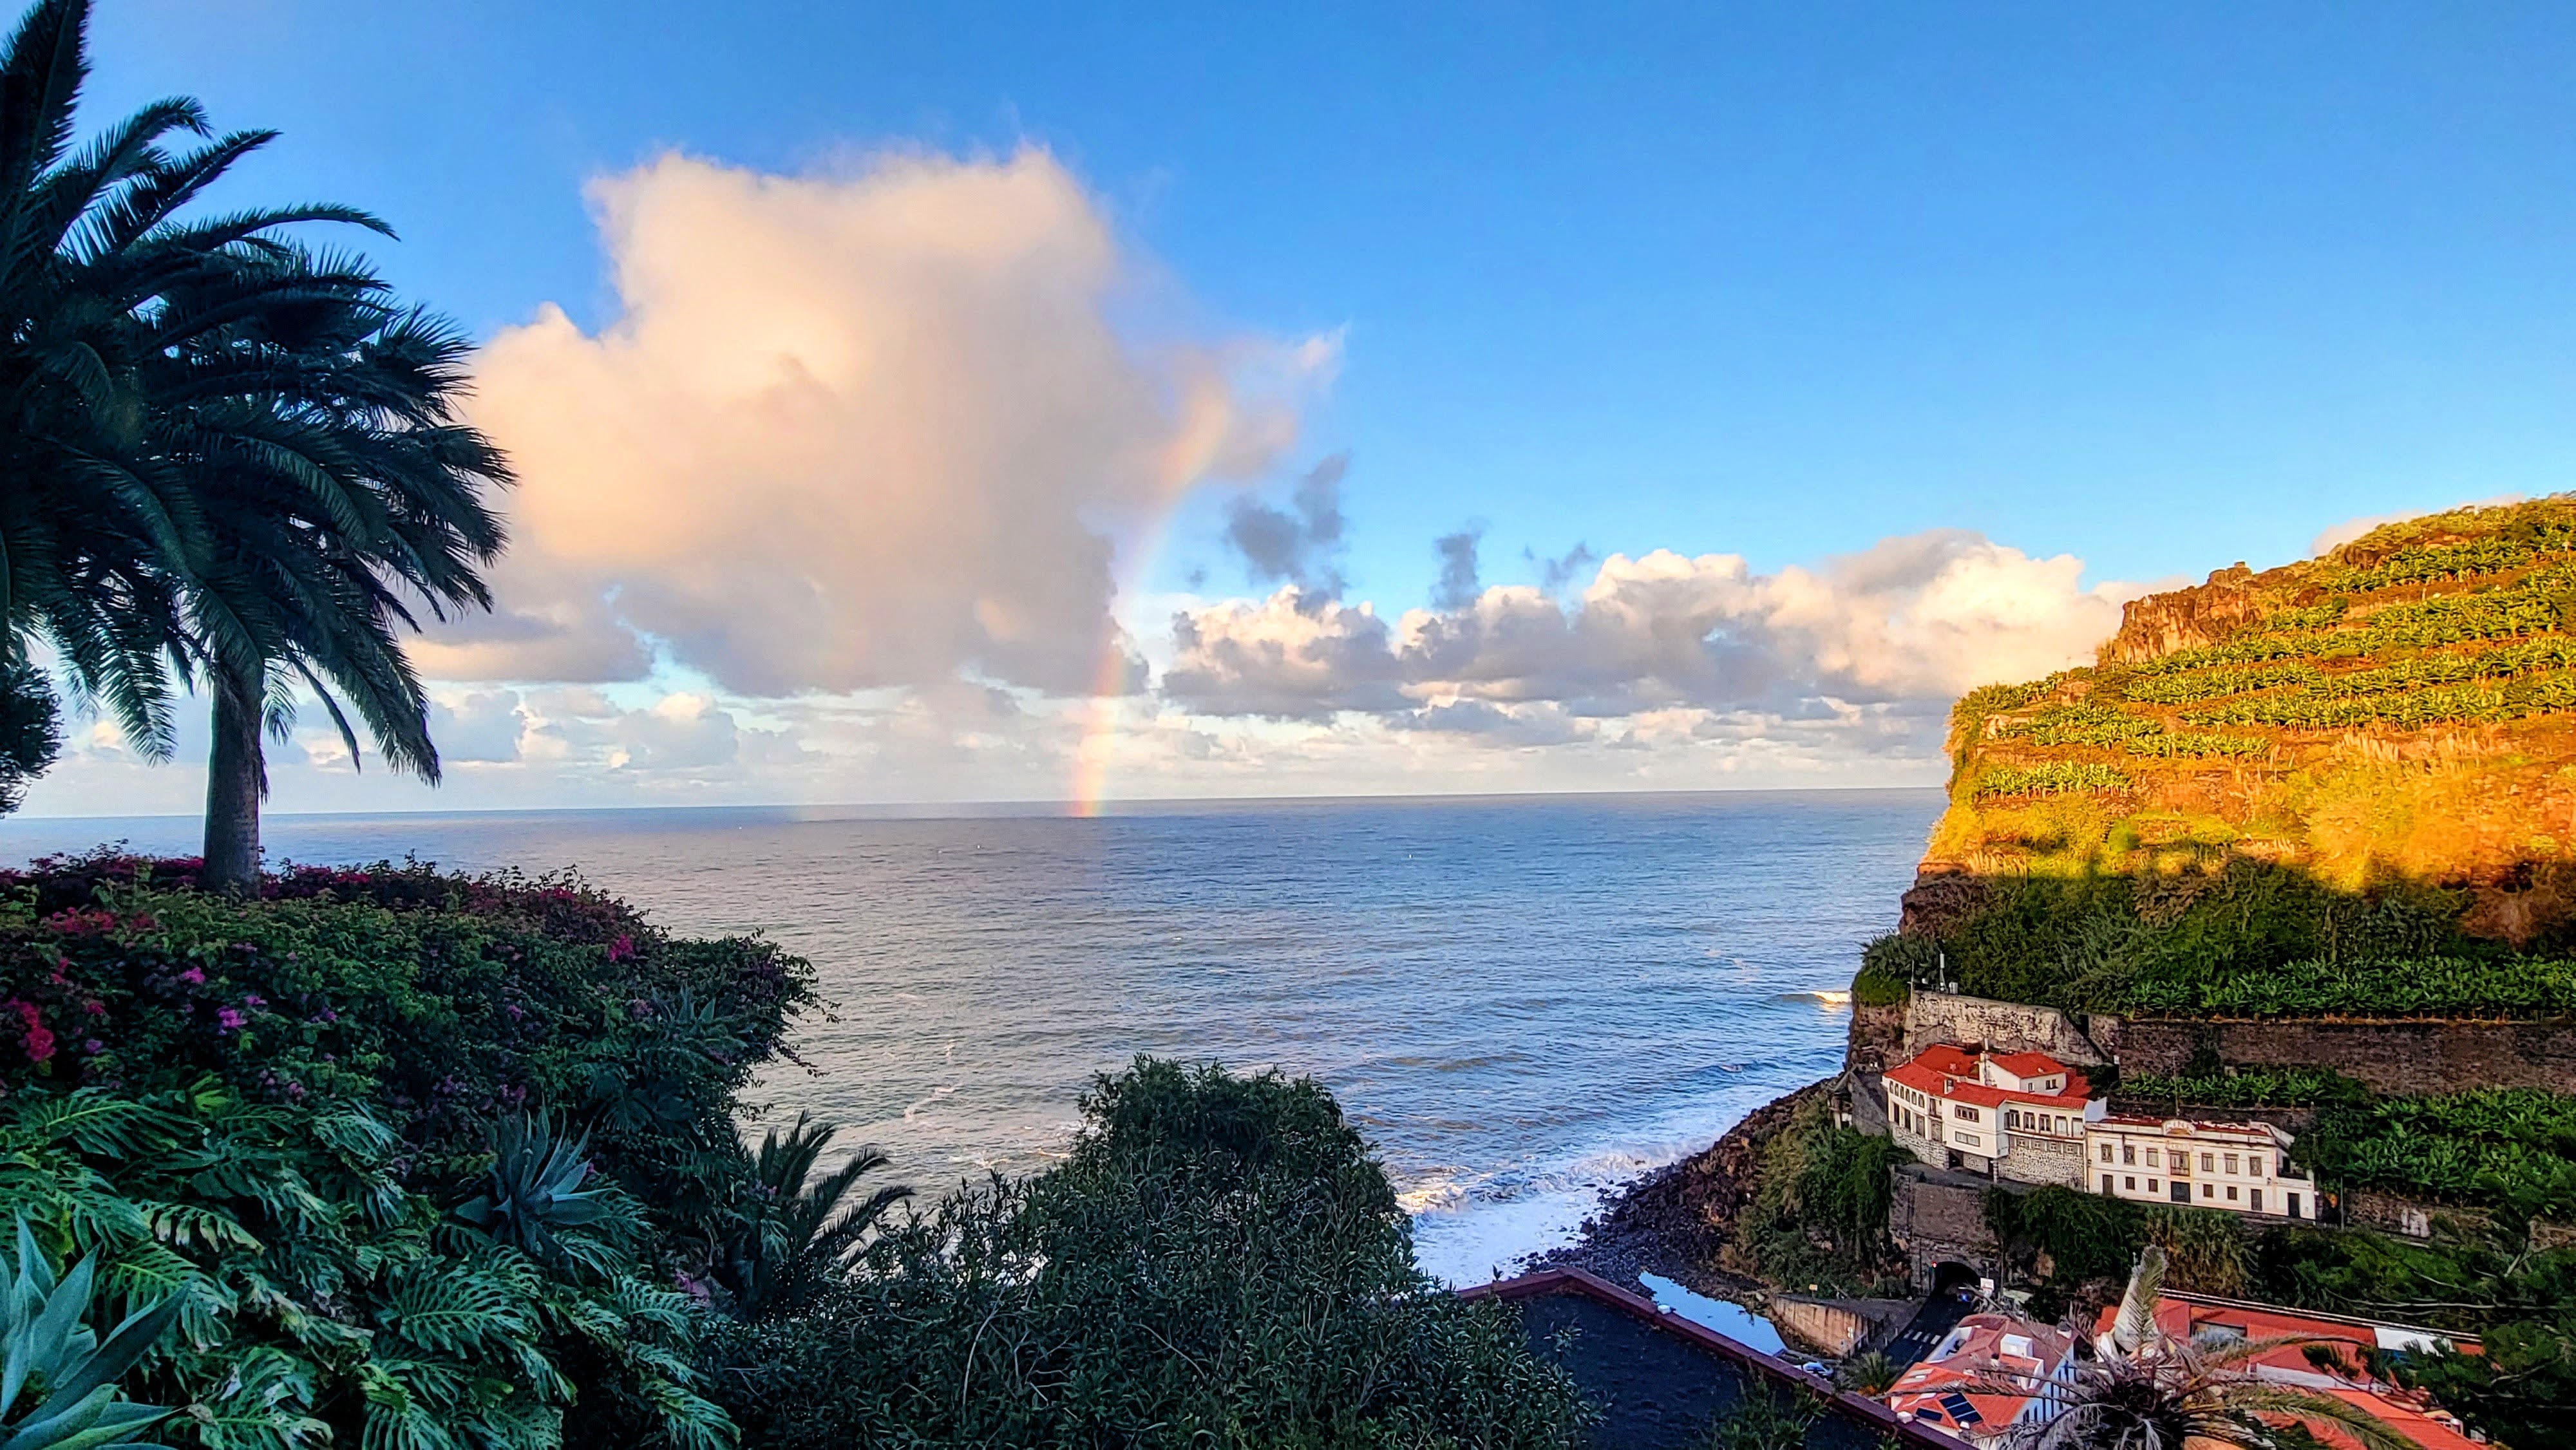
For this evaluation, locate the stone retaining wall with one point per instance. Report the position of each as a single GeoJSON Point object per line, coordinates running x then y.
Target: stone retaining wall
{"type": "Point", "coordinates": [1932, 1017]}
{"type": "Point", "coordinates": [1938, 1217]}
{"type": "Point", "coordinates": [2391, 1055]}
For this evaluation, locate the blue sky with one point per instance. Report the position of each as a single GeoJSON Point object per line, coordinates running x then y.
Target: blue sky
{"type": "Point", "coordinates": [2147, 283]}
{"type": "Point", "coordinates": [2157, 287]}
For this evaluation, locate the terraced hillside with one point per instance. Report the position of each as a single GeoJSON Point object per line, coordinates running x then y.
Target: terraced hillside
{"type": "Point", "coordinates": [2343, 786]}
{"type": "Point", "coordinates": [2404, 706]}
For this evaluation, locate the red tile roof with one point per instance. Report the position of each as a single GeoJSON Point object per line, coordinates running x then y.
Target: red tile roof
{"type": "Point", "coordinates": [1946, 1072]}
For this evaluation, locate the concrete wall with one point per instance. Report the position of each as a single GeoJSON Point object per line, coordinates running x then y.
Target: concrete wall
{"type": "Point", "coordinates": [2388, 1213]}
{"type": "Point", "coordinates": [1834, 1327]}
{"type": "Point", "coordinates": [2391, 1055]}
{"type": "Point", "coordinates": [1932, 1017]}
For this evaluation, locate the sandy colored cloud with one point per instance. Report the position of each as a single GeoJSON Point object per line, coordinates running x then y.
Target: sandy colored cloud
{"type": "Point", "coordinates": [848, 432]}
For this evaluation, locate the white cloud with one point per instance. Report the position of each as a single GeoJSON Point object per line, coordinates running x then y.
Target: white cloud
{"type": "Point", "coordinates": [1920, 617]}
{"type": "Point", "coordinates": [849, 432]}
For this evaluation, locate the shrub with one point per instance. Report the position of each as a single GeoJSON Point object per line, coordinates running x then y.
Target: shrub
{"type": "Point", "coordinates": [1819, 1209]}
{"type": "Point", "coordinates": [1218, 1262]}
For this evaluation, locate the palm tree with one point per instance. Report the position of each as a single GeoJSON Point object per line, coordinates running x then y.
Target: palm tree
{"type": "Point", "coordinates": [95, 523]}
{"type": "Point", "coordinates": [336, 490]}
{"type": "Point", "coordinates": [805, 1231]}
{"type": "Point", "coordinates": [2151, 1391]}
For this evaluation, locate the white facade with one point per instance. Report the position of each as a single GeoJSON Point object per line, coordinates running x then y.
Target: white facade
{"type": "Point", "coordinates": [2238, 1167]}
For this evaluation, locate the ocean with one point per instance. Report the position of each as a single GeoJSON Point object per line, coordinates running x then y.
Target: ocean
{"type": "Point", "coordinates": [1523, 1002]}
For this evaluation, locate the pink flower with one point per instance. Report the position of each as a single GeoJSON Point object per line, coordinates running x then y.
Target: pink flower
{"type": "Point", "coordinates": [621, 949]}
{"type": "Point", "coordinates": [194, 976]}
{"type": "Point", "coordinates": [40, 1039]}
{"type": "Point", "coordinates": [229, 1020]}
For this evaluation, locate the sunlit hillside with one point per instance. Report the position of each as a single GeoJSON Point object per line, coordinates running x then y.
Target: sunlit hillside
{"type": "Point", "coordinates": [2403, 707]}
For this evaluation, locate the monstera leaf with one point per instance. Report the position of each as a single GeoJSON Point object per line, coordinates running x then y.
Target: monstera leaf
{"type": "Point", "coordinates": [57, 1379]}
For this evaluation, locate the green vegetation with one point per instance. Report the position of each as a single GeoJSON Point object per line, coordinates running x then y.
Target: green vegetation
{"type": "Point", "coordinates": [1819, 1215]}
{"type": "Point", "coordinates": [2050, 778]}
{"type": "Point", "coordinates": [2248, 1088]}
{"type": "Point", "coordinates": [2422, 987]}
{"type": "Point", "coordinates": [416, 1159]}
{"type": "Point", "coordinates": [275, 1114]}
{"type": "Point", "coordinates": [2245, 940]}
{"type": "Point", "coordinates": [234, 460]}
{"type": "Point", "coordinates": [2507, 1149]}
{"type": "Point", "coordinates": [1218, 1262]}
{"type": "Point", "coordinates": [2210, 684]}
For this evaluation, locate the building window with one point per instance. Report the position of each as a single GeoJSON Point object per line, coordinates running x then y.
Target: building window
{"type": "Point", "coordinates": [2106, 1179]}
{"type": "Point", "coordinates": [2231, 1193]}
{"type": "Point", "coordinates": [2254, 1166]}
{"type": "Point", "coordinates": [1971, 1139]}
{"type": "Point", "coordinates": [2129, 1183]}
{"type": "Point", "coordinates": [2152, 1158]}
{"type": "Point", "coordinates": [1963, 1114]}
{"type": "Point", "coordinates": [2208, 1190]}
{"type": "Point", "coordinates": [2204, 1163]}
{"type": "Point", "coordinates": [2290, 1204]}
{"type": "Point", "coordinates": [2011, 1118]}
{"type": "Point", "coordinates": [2106, 1157]}
{"type": "Point", "coordinates": [2129, 1153]}
{"type": "Point", "coordinates": [2254, 1199]}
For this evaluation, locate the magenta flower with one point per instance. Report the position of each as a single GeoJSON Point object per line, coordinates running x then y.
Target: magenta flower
{"type": "Point", "coordinates": [194, 976]}
{"type": "Point", "coordinates": [229, 1020]}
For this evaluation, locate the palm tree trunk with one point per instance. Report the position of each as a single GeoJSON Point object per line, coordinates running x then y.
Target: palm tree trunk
{"type": "Point", "coordinates": [236, 779]}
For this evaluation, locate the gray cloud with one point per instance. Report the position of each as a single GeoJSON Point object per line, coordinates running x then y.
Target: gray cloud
{"type": "Point", "coordinates": [1457, 586]}
{"type": "Point", "coordinates": [1299, 544]}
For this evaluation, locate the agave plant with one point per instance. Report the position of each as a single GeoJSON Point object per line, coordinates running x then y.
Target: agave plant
{"type": "Point", "coordinates": [538, 1195]}
{"type": "Point", "coordinates": [58, 1380]}
{"type": "Point", "coordinates": [2151, 1391]}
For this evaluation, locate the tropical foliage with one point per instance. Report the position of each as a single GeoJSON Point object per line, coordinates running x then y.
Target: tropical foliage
{"type": "Point", "coordinates": [59, 1388]}
{"type": "Point", "coordinates": [2509, 1149]}
{"type": "Point", "coordinates": [2271, 1087]}
{"type": "Point", "coordinates": [277, 1114]}
{"type": "Point", "coordinates": [2244, 940]}
{"type": "Point", "coordinates": [1217, 1262]}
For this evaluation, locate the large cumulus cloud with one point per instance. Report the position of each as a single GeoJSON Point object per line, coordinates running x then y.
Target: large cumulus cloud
{"type": "Point", "coordinates": [848, 432]}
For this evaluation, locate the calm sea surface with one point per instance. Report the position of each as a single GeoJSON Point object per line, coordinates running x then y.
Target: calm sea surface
{"type": "Point", "coordinates": [1522, 1001]}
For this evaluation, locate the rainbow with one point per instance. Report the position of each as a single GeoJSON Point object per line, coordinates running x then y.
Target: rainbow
{"type": "Point", "coordinates": [1092, 753]}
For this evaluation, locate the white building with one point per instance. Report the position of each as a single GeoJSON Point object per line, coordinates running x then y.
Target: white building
{"type": "Point", "coordinates": [2234, 1166]}
{"type": "Point", "coordinates": [2016, 1115]}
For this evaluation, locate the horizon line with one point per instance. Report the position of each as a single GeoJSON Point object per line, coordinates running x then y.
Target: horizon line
{"type": "Point", "coordinates": [1066, 808]}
